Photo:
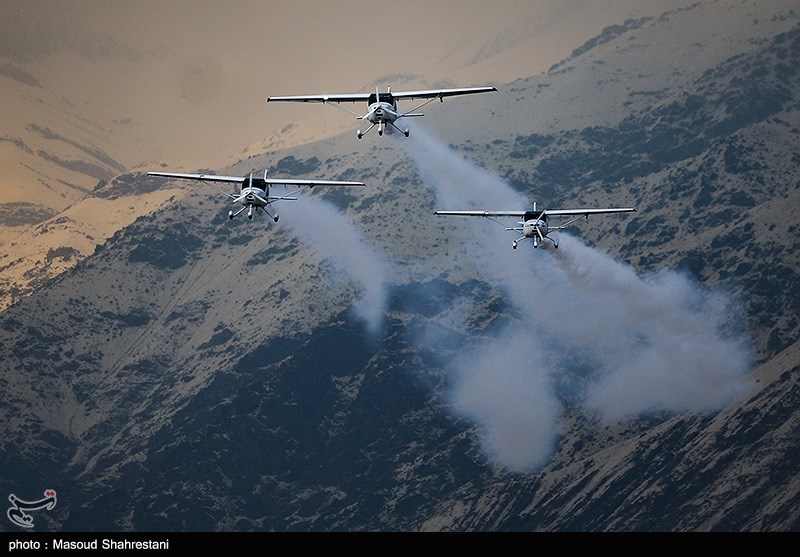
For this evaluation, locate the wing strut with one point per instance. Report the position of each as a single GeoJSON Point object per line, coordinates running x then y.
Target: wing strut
{"type": "Point", "coordinates": [410, 113]}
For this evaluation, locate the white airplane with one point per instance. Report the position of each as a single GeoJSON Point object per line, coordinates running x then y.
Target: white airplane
{"type": "Point", "coordinates": [382, 108]}
{"type": "Point", "coordinates": [254, 193]}
{"type": "Point", "coordinates": [534, 222]}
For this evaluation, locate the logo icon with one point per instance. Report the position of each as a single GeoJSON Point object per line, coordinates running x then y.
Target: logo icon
{"type": "Point", "coordinates": [17, 514]}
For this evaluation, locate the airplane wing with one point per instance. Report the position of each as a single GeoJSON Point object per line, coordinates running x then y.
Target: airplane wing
{"type": "Point", "coordinates": [434, 93]}
{"type": "Point", "coordinates": [355, 97]}
{"type": "Point", "coordinates": [481, 213]}
{"type": "Point", "coordinates": [587, 212]}
{"type": "Point", "coordinates": [310, 183]}
{"type": "Point", "coordinates": [548, 212]}
{"type": "Point", "coordinates": [363, 97]}
{"type": "Point", "coordinates": [203, 177]}
{"type": "Point", "coordinates": [242, 179]}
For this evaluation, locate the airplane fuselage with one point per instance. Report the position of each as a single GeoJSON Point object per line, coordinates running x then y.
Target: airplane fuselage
{"type": "Point", "coordinates": [529, 228]}
{"type": "Point", "coordinates": [534, 222]}
{"type": "Point", "coordinates": [382, 112]}
{"type": "Point", "coordinates": [253, 192]}
{"type": "Point", "coordinates": [254, 196]}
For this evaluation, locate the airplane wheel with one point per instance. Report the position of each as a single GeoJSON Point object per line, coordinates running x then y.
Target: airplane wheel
{"type": "Point", "coordinates": [276, 218]}
{"type": "Point", "coordinates": [249, 217]}
{"type": "Point", "coordinates": [514, 245]}
{"type": "Point", "coordinates": [230, 215]}
{"type": "Point", "coordinates": [359, 134]}
{"type": "Point", "coordinates": [406, 133]}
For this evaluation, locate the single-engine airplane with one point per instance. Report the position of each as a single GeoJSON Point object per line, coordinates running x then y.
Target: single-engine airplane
{"type": "Point", "coordinates": [254, 193]}
{"type": "Point", "coordinates": [382, 110]}
{"type": "Point", "coordinates": [534, 222]}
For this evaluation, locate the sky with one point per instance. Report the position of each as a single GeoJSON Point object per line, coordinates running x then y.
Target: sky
{"type": "Point", "coordinates": [190, 77]}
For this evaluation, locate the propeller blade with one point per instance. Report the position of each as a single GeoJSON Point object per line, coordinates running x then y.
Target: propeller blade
{"type": "Point", "coordinates": [260, 199]}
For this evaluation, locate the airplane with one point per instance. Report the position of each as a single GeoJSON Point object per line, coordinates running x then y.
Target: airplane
{"type": "Point", "coordinates": [254, 194]}
{"type": "Point", "coordinates": [534, 222]}
{"type": "Point", "coordinates": [382, 108]}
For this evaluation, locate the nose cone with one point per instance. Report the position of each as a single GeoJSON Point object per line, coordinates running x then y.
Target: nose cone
{"type": "Point", "coordinates": [533, 227]}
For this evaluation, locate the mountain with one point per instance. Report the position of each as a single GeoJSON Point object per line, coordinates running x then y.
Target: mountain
{"type": "Point", "coordinates": [365, 365]}
{"type": "Point", "coordinates": [100, 96]}
{"type": "Point", "coordinates": [91, 94]}
{"type": "Point", "coordinates": [56, 159]}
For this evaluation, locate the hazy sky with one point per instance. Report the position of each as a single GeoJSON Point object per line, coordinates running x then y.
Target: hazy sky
{"type": "Point", "coordinates": [192, 76]}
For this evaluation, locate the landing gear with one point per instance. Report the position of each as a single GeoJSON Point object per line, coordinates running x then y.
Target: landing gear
{"type": "Point", "coordinates": [273, 217]}
{"type": "Point", "coordinates": [405, 132]}
{"type": "Point", "coordinates": [231, 214]}
{"type": "Point", "coordinates": [360, 134]}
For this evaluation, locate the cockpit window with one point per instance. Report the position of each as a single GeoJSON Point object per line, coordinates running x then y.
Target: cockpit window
{"type": "Point", "coordinates": [382, 97]}
{"type": "Point", "coordinates": [530, 215]}
{"type": "Point", "coordinates": [257, 183]}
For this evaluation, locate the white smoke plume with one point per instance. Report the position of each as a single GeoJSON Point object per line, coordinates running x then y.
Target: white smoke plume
{"type": "Point", "coordinates": [500, 387]}
{"type": "Point", "coordinates": [665, 350]}
{"type": "Point", "coordinates": [651, 343]}
{"type": "Point", "coordinates": [325, 229]}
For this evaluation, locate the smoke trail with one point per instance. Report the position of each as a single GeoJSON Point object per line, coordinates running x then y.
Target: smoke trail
{"type": "Point", "coordinates": [322, 227]}
{"type": "Point", "coordinates": [499, 386]}
{"type": "Point", "coordinates": [650, 343]}
{"type": "Point", "coordinates": [666, 350]}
